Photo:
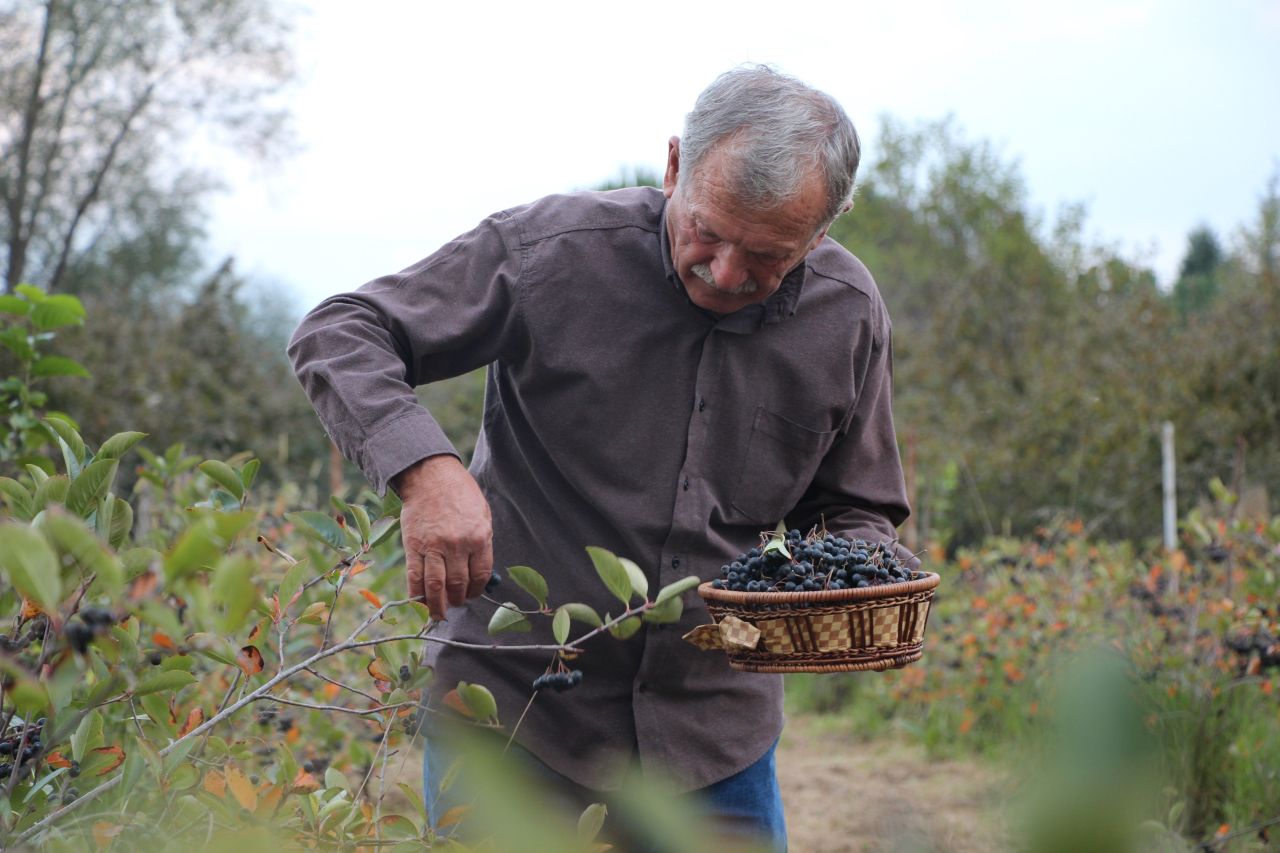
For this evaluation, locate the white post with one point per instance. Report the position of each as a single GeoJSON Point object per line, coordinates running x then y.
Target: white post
{"type": "Point", "coordinates": [1170, 485]}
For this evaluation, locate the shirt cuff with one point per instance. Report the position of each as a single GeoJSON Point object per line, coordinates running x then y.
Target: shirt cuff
{"type": "Point", "coordinates": [406, 440]}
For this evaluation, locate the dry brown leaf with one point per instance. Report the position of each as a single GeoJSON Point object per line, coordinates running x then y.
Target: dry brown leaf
{"type": "Point", "coordinates": [110, 750]}
{"type": "Point", "coordinates": [215, 783]}
{"type": "Point", "coordinates": [378, 669]}
{"type": "Point", "coordinates": [143, 586]}
{"type": "Point", "coordinates": [305, 782]}
{"type": "Point", "coordinates": [250, 660]}
{"type": "Point", "coordinates": [452, 816]}
{"type": "Point", "coordinates": [104, 833]}
{"type": "Point", "coordinates": [241, 788]}
{"type": "Point", "coordinates": [454, 701]}
{"type": "Point", "coordinates": [194, 719]}
{"type": "Point", "coordinates": [270, 799]}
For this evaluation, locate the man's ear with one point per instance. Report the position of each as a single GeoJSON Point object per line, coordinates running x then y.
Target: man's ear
{"type": "Point", "coordinates": [672, 174]}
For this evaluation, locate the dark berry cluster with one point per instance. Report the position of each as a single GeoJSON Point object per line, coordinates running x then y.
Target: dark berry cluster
{"type": "Point", "coordinates": [12, 747]}
{"type": "Point", "coordinates": [796, 563]}
{"type": "Point", "coordinates": [558, 681]}
{"type": "Point", "coordinates": [92, 621]}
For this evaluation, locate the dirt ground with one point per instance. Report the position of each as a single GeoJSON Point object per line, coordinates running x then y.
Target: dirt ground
{"type": "Point", "coordinates": [843, 796]}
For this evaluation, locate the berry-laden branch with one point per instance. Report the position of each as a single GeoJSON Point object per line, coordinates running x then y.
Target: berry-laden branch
{"type": "Point", "coordinates": [262, 692]}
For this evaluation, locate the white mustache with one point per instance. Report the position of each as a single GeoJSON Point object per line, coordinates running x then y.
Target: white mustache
{"type": "Point", "coordinates": [703, 271]}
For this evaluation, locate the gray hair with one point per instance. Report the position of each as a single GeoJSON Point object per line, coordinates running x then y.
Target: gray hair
{"type": "Point", "coordinates": [778, 130]}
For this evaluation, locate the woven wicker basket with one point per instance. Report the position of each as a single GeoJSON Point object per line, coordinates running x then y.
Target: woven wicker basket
{"type": "Point", "coordinates": [873, 628]}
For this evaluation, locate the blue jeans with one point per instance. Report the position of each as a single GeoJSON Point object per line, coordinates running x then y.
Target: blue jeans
{"type": "Point", "coordinates": [746, 807]}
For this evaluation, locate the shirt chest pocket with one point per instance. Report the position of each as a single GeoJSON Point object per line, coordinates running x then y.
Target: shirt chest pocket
{"type": "Point", "coordinates": [779, 463]}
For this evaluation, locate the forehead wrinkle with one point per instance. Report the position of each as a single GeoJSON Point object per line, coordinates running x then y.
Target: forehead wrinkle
{"type": "Point", "coordinates": [770, 247]}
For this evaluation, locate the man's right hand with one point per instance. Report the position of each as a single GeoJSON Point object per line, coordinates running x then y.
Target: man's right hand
{"type": "Point", "coordinates": [447, 531]}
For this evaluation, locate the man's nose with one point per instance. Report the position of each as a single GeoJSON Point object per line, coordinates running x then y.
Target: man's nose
{"type": "Point", "coordinates": [729, 267]}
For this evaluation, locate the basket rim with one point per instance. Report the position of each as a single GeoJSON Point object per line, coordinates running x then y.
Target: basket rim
{"type": "Point", "coordinates": [825, 596]}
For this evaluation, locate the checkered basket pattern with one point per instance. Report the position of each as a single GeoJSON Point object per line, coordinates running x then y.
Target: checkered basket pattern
{"type": "Point", "coordinates": [873, 628]}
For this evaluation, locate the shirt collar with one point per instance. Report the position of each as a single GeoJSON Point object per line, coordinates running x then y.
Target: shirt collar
{"type": "Point", "coordinates": [780, 305]}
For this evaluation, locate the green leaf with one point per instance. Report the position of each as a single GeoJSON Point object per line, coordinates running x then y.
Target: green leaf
{"type": "Point", "coordinates": [157, 708]}
{"type": "Point", "coordinates": [612, 572]}
{"type": "Point", "coordinates": [20, 501]}
{"type": "Point", "coordinates": [57, 311]}
{"type": "Point", "coordinates": [292, 583]}
{"type": "Point", "coordinates": [249, 473]}
{"type": "Point", "coordinates": [665, 613]}
{"type": "Point", "coordinates": [88, 735]}
{"type": "Point", "coordinates": [15, 340]}
{"type": "Point", "coordinates": [119, 444]}
{"type": "Point", "coordinates": [186, 662]}
{"type": "Point", "coordinates": [51, 491]}
{"type": "Point", "coordinates": [41, 782]}
{"type": "Point", "coordinates": [61, 429]}
{"type": "Point", "coordinates": [224, 475]}
{"type": "Point", "coordinates": [626, 627]}
{"type": "Point", "coordinates": [778, 544]}
{"type": "Point", "coordinates": [362, 521]}
{"type": "Point", "coordinates": [121, 522]}
{"type": "Point", "coordinates": [233, 586]}
{"type": "Point", "coordinates": [582, 613]}
{"type": "Point", "coordinates": [383, 530]}
{"type": "Point", "coordinates": [506, 618]}
{"type": "Point", "coordinates": [333, 778]}
{"type": "Point", "coordinates": [204, 541]}
{"type": "Point", "coordinates": [29, 697]}
{"type": "Point", "coordinates": [639, 583]}
{"type": "Point", "coordinates": [677, 588]}
{"type": "Point", "coordinates": [31, 565]}
{"type": "Point", "coordinates": [74, 539]}
{"type": "Point", "coordinates": [591, 821]}
{"type": "Point", "coordinates": [56, 365]}
{"type": "Point", "coordinates": [14, 305]}
{"type": "Point", "coordinates": [89, 487]}
{"type": "Point", "coordinates": [531, 582]}
{"type": "Point", "coordinates": [560, 625]}
{"type": "Point", "coordinates": [319, 526]}
{"type": "Point", "coordinates": [33, 293]}
{"type": "Point", "coordinates": [199, 547]}
{"type": "Point", "coordinates": [179, 755]}
{"type": "Point", "coordinates": [212, 646]}
{"type": "Point", "coordinates": [174, 679]}
{"type": "Point", "coordinates": [478, 700]}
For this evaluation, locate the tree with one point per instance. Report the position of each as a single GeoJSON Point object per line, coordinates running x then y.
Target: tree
{"type": "Point", "coordinates": [97, 98]}
{"type": "Point", "coordinates": [1197, 282]}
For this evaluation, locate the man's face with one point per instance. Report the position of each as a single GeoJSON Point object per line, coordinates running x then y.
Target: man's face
{"type": "Point", "coordinates": [729, 254]}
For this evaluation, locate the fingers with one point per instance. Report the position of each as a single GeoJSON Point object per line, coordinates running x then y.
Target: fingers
{"type": "Point", "coordinates": [414, 569]}
{"type": "Point", "coordinates": [480, 567]}
{"type": "Point", "coordinates": [447, 533]}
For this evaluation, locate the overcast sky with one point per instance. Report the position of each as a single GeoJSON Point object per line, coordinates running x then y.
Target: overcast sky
{"type": "Point", "coordinates": [417, 119]}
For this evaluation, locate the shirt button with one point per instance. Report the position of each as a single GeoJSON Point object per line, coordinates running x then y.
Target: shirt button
{"type": "Point", "coordinates": [702, 403]}
{"type": "Point", "coordinates": [642, 688]}
{"type": "Point", "coordinates": [686, 484]}
{"type": "Point", "coordinates": [675, 562]}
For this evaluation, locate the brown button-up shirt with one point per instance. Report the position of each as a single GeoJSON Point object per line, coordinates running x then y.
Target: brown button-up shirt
{"type": "Point", "coordinates": [619, 414]}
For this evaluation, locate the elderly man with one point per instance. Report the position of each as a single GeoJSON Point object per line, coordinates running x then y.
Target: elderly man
{"type": "Point", "coordinates": [669, 373]}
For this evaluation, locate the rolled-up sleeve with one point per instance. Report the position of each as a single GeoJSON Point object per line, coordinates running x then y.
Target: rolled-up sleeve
{"type": "Point", "coordinates": [359, 355]}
